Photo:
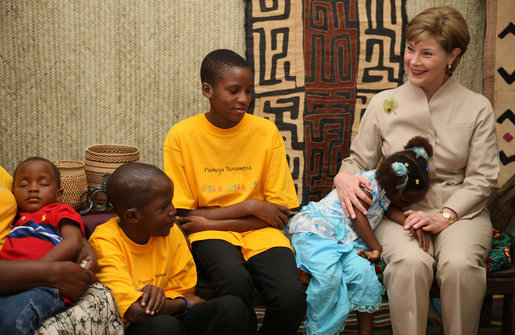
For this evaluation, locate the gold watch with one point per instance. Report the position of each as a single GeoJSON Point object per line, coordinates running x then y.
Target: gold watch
{"type": "Point", "coordinates": [447, 216]}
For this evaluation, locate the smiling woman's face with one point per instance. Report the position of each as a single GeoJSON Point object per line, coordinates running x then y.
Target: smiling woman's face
{"type": "Point", "coordinates": [426, 63]}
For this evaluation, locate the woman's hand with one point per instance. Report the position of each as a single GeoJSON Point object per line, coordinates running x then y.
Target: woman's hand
{"type": "Point", "coordinates": [349, 192]}
{"type": "Point", "coordinates": [420, 220]}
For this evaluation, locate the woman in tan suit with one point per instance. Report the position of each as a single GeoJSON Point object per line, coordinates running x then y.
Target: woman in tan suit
{"type": "Point", "coordinates": [463, 173]}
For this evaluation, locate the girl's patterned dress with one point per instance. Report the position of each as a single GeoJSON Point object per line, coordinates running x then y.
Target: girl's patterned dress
{"type": "Point", "coordinates": [326, 247]}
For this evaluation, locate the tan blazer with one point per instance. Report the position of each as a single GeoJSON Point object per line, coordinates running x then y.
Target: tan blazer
{"type": "Point", "coordinates": [460, 126]}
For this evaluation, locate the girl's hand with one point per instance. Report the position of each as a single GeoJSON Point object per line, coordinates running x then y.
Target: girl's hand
{"type": "Point", "coordinates": [372, 255]}
{"type": "Point", "coordinates": [422, 237]}
{"type": "Point", "coordinates": [349, 192]}
{"type": "Point", "coordinates": [152, 300]}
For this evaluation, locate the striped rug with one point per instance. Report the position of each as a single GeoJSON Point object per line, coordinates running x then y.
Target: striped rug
{"type": "Point", "coordinates": [381, 320]}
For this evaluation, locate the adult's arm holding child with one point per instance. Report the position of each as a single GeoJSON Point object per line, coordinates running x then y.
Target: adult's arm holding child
{"type": "Point", "coordinates": [20, 275]}
{"type": "Point", "coordinates": [87, 253]}
{"type": "Point", "coordinates": [69, 278]}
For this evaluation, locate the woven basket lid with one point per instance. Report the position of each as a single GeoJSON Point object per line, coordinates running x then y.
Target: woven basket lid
{"type": "Point", "coordinates": [112, 153]}
{"type": "Point", "coordinates": [69, 165]}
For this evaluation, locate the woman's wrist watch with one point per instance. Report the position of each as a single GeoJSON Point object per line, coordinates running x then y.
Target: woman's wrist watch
{"type": "Point", "coordinates": [447, 216]}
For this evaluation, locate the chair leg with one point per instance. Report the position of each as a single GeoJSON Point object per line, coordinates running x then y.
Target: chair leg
{"type": "Point", "coordinates": [508, 315]}
{"type": "Point", "coordinates": [486, 312]}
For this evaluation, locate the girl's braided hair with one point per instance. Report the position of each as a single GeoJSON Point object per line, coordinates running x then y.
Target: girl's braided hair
{"type": "Point", "coordinates": [415, 162]}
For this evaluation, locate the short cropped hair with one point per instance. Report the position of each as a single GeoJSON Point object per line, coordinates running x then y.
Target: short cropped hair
{"type": "Point", "coordinates": [217, 62]}
{"type": "Point", "coordinates": [55, 169]}
{"type": "Point", "coordinates": [446, 25]}
{"type": "Point", "coordinates": [130, 185]}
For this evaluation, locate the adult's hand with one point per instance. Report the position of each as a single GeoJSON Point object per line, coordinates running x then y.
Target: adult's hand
{"type": "Point", "coordinates": [429, 223]}
{"type": "Point", "coordinates": [70, 279]}
{"type": "Point", "coordinates": [350, 192]}
{"type": "Point", "coordinates": [87, 253]}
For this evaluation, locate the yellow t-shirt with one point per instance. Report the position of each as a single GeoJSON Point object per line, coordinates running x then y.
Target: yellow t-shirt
{"type": "Point", "coordinates": [165, 262]}
{"type": "Point", "coordinates": [213, 167]}
{"type": "Point", "coordinates": [8, 207]}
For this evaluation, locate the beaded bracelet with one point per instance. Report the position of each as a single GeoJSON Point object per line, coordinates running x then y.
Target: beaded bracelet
{"type": "Point", "coordinates": [187, 309]}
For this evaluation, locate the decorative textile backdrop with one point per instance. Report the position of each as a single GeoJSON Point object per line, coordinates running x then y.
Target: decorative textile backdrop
{"type": "Point", "coordinates": [499, 87]}
{"type": "Point", "coordinates": [317, 64]}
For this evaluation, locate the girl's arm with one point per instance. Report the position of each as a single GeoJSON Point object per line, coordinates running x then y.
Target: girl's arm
{"type": "Point", "coordinates": [69, 247]}
{"type": "Point", "coordinates": [70, 279]}
{"type": "Point", "coordinates": [365, 232]}
{"type": "Point", "coordinates": [396, 215]}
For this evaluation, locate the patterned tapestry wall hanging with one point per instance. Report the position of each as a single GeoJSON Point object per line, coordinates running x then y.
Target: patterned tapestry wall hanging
{"type": "Point", "coordinates": [499, 82]}
{"type": "Point", "coordinates": [316, 65]}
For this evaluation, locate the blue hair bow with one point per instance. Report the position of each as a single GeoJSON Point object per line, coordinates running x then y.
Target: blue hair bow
{"type": "Point", "coordinates": [420, 151]}
{"type": "Point", "coordinates": [401, 171]}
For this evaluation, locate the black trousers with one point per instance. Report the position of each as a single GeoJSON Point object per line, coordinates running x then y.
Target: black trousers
{"type": "Point", "coordinates": [221, 316]}
{"type": "Point", "coordinates": [273, 273]}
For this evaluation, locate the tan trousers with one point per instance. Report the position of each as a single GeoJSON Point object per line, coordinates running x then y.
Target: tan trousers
{"type": "Point", "coordinates": [458, 254]}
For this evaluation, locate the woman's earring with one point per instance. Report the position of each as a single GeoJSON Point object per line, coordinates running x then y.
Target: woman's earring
{"type": "Point", "coordinates": [449, 66]}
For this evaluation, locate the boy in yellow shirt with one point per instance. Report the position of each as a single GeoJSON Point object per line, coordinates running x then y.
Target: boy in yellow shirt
{"type": "Point", "coordinates": [234, 192]}
{"type": "Point", "coordinates": [146, 262]}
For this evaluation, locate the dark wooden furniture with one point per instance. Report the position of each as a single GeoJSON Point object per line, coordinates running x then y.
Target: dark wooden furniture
{"type": "Point", "coordinates": [502, 283]}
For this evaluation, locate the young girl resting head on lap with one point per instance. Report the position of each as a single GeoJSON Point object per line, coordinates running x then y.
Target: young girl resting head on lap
{"type": "Point", "coordinates": [337, 251]}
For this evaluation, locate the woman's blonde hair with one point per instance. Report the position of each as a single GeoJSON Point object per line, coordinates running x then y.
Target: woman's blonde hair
{"type": "Point", "coordinates": [446, 25]}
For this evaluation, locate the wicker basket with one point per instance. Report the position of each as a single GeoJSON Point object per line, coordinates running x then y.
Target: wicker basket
{"type": "Point", "coordinates": [102, 159]}
{"type": "Point", "coordinates": [73, 181]}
